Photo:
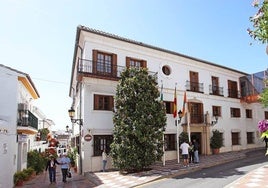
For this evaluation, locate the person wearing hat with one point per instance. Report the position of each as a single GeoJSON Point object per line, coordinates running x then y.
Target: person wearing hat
{"type": "Point", "coordinates": [51, 167]}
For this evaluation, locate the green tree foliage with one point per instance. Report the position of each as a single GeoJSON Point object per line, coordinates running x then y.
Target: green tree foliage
{"type": "Point", "coordinates": [139, 122]}
{"type": "Point", "coordinates": [43, 133]}
{"type": "Point", "coordinates": [264, 97]}
{"type": "Point", "coordinates": [260, 21]}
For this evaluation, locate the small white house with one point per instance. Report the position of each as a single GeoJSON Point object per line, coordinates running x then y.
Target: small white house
{"type": "Point", "coordinates": [18, 124]}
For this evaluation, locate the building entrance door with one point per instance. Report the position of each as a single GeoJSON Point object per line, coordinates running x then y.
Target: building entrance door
{"type": "Point", "coordinates": [197, 136]}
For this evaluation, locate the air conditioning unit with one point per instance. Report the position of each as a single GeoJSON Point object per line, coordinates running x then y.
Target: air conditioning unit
{"type": "Point", "coordinates": [22, 107]}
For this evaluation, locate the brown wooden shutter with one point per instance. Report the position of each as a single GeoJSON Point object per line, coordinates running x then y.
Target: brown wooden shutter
{"type": "Point", "coordinates": [94, 60]}
{"type": "Point", "coordinates": [96, 102]}
{"type": "Point", "coordinates": [111, 103]}
{"type": "Point", "coordinates": [114, 65]}
{"type": "Point", "coordinates": [144, 63]}
{"type": "Point", "coordinates": [127, 62]}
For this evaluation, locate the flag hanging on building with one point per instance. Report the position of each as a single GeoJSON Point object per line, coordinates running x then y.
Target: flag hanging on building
{"type": "Point", "coordinates": [184, 103]}
{"type": "Point", "coordinates": [175, 104]}
{"type": "Point", "coordinates": [161, 93]}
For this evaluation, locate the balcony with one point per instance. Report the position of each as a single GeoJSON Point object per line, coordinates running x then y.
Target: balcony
{"type": "Point", "coordinates": [233, 94]}
{"type": "Point", "coordinates": [27, 122]}
{"type": "Point", "coordinates": [215, 90]}
{"type": "Point", "coordinates": [250, 98]}
{"type": "Point", "coordinates": [194, 86]}
{"type": "Point", "coordinates": [195, 119]}
{"type": "Point", "coordinates": [93, 69]}
{"type": "Point", "coordinates": [89, 68]}
{"type": "Point", "coordinates": [252, 85]}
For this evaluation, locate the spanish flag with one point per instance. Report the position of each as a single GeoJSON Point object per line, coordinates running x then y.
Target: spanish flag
{"type": "Point", "coordinates": [175, 104]}
{"type": "Point", "coordinates": [184, 102]}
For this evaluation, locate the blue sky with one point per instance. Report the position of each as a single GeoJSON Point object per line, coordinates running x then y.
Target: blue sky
{"type": "Point", "coordinates": [37, 37]}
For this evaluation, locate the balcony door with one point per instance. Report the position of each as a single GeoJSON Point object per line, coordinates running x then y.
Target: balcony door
{"type": "Point", "coordinates": [215, 85]}
{"type": "Point", "coordinates": [104, 63]}
{"type": "Point", "coordinates": [196, 112]}
{"type": "Point", "coordinates": [194, 81]}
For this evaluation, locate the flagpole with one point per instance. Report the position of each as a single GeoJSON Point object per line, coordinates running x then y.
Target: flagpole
{"type": "Point", "coordinates": [185, 109]}
{"type": "Point", "coordinates": [164, 154]}
{"type": "Point", "coordinates": [188, 125]}
{"type": "Point", "coordinates": [177, 124]}
{"type": "Point", "coordinates": [178, 143]}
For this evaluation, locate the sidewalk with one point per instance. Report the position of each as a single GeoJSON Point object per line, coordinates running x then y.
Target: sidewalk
{"type": "Point", "coordinates": [256, 178]}
{"type": "Point", "coordinates": [113, 179]}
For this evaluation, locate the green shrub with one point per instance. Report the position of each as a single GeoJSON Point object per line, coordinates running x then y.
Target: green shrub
{"type": "Point", "coordinates": [19, 175]}
{"type": "Point", "coordinates": [72, 155]}
{"type": "Point", "coordinates": [216, 141]}
{"type": "Point", "coordinates": [28, 171]}
{"type": "Point", "coordinates": [37, 161]}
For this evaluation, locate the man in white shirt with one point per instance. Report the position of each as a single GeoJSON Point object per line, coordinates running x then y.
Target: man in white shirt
{"type": "Point", "coordinates": [185, 153]}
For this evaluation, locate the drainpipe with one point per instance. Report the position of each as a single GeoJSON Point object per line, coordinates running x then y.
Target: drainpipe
{"type": "Point", "coordinates": [80, 114]}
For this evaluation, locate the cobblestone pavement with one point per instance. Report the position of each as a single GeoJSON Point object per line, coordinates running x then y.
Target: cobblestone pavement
{"type": "Point", "coordinates": [113, 179]}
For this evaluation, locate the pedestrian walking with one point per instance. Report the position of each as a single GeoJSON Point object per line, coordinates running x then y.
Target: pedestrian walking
{"type": "Point", "coordinates": [65, 166]}
{"type": "Point", "coordinates": [104, 160]}
{"type": "Point", "coordinates": [191, 152]}
{"type": "Point", "coordinates": [51, 167]}
{"type": "Point", "coordinates": [196, 155]}
{"type": "Point", "coordinates": [185, 153]}
{"type": "Point", "coordinates": [265, 139]}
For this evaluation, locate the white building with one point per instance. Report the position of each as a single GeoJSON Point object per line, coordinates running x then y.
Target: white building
{"type": "Point", "coordinates": [212, 91]}
{"type": "Point", "coordinates": [37, 143]}
{"type": "Point", "coordinates": [19, 122]}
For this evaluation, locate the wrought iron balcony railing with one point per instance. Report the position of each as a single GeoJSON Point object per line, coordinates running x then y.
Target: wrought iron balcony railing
{"type": "Point", "coordinates": [195, 119]}
{"type": "Point", "coordinates": [27, 119]}
{"type": "Point", "coordinates": [215, 90]}
{"type": "Point", "coordinates": [99, 68]}
{"type": "Point", "coordinates": [102, 70]}
{"type": "Point", "coordinates": [194, 86]}
{"type": "Point", "coordinates": [233, 93]}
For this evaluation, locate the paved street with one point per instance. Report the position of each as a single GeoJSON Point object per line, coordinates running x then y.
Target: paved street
{"type": "Point", "coordinates": [114, 179]}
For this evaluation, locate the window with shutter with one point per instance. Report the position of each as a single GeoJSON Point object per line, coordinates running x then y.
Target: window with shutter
{"type": "Point", "coordinates": [132, 62]}
{"type": "Point", "coordinates": [103, 102]}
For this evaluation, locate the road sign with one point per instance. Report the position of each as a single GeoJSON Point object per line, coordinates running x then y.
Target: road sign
{"type": "Point", "coordinates": [88, 137]}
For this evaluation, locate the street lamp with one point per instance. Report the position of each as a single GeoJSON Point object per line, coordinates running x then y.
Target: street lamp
{"type": "Point", "coordinates": [71, 112]}
{"type": "Point", "coordinates": [214, 122]}
{"type": "Point", "coordinates": [67, 128]}
{"type": "Point", "coordinates": [180, 116]}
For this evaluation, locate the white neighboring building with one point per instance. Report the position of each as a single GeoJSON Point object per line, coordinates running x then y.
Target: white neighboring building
{"type": "Point", "coordinates": [43, 123]}
{"type": "Point", "coordinates": [18, 124]}
{"type": "Point", "coordinates": [212, 91]}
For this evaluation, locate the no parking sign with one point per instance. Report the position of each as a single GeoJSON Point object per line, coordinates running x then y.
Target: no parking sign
{"type": "Point", "coordinates": [88, 137]}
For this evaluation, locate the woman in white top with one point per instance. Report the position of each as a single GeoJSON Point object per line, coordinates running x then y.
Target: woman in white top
{"type": "Point", "coordinates": [104, 160]}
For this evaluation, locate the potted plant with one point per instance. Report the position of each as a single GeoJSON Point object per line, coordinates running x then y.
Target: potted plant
{"type": "Point", "coordinates": [18, 178]}
{"type": "Point", "coordinates": [28, 171]}
{"type": "Point", "coordinates": [72, 156]}
{"type": "Point", "coordinates": [216, 141]}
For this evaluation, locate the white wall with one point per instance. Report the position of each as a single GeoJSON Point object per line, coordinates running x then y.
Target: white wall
{"type": "Point", "coordinates": [8, 120]}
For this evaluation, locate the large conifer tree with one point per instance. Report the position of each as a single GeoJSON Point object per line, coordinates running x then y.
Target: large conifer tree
{"type": "Point", "coordinates": [139, 121]}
